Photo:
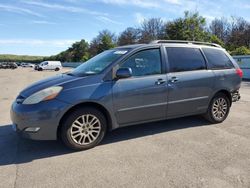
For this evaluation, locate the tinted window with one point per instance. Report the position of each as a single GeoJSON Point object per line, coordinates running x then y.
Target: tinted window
{"type": "Point", "coordinates": [145, 62]}
{"type": "Point", "coordinates": [185, 59]}
{"type": "Point", "coordinates": [217, 59]}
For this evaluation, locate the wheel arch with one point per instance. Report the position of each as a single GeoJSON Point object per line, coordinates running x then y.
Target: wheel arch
{"type": "Point", "coordinates": [95, 105]}
{"type": "Point", "coordinates": [225, 92]}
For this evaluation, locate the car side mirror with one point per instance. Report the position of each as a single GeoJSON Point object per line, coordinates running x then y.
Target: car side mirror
{"type": "Point", "coordinates": [123, 73]}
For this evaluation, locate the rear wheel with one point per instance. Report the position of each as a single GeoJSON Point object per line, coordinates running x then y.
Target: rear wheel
{"type": "Point", "coordinates": [83, 128]}
{"type": "Point", "coordinates": [40, 69]}
{"type": "Point", "coordinates": [218, 109]}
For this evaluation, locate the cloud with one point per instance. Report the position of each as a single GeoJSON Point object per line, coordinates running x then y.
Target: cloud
{"type": "Point", "coordinates": [42, 22]}
{"type": "Point", "coordinates": [103, 17]}
{"type": "Point", "coordinates": [139, 18]}
{"type": "Point", "coordinates": [66, 8]}
{"type": "Point", "coordinates": [19, 10]}
{"type": "Point", "coordinates": [142, 3]}
{"type": "Point", "coordinates": [243, 5]}
{"type": "Point", "coordinates": [209, 18]}
{"type": "Point", "coordinates": [175, 2]}
{"type": "Point", "coordinates": [108, 20]}
{"type": "Point", "coordinates": [37, 42]}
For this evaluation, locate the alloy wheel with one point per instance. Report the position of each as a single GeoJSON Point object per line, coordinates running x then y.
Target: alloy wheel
{"type": "Point", "coordinates": [85, 129]}
{"type": "Point", "coordinates": [219, 108]}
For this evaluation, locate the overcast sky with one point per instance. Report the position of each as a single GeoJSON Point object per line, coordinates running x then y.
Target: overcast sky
{"type": "Point", "coordinates": [47, 27]}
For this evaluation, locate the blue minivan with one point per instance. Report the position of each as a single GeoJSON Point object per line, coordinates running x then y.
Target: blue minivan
{"type": "Point", "coordinates": [129, 85]}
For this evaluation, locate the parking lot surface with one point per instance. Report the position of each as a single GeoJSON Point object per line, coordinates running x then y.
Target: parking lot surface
{"type": "Point", "coordinates": [185, 152]}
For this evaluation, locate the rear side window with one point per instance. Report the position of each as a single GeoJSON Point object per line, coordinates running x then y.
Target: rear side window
{"type": "Point", "coordinates": [185, 59]}
{"type": "Point", "coordinates": [217, 59]}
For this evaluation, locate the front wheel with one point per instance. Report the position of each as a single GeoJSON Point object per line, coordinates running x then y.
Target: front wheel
{"type": "Point", "coordinates": [57, 69]}
{"type": "Point", "coordinates": [83, 128]}
{"type": "Point", "coordinates": [218, 109]}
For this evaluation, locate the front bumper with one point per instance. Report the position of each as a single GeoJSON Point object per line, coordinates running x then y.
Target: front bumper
{"type": "Point", "coordinates": [39, 121]}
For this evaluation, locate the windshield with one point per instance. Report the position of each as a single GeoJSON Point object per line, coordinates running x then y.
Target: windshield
{"type": "Point", "coordinates": [98, 63]}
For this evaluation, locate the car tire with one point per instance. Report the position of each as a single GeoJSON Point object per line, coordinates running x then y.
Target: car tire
{"type": "Point", "coordinates": [57, 69]}
{"type": "Point", "coordinates": [40, 69]}
{"type": "Point", "coordinates": [83, 128]}
{"type": "Point", "coordinates": [218, 109]}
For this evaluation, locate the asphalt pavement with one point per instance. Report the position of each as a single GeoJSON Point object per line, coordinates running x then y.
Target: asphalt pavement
{"type": "Point", "coordinates": [184, 152]}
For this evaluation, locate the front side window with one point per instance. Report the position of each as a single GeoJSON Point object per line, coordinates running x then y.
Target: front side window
{"type": "Point", "coordinates": [185, 59]}
{"type": "Point", "coordinates": [44, 63]}
{"type": "Point", "coordinates": [146, 62]}
{"type": "Point", "coordinates": [217, 59]}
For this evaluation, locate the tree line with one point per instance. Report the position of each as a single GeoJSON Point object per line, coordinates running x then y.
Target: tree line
{"type": "Point", "coordinates": [21, 58]}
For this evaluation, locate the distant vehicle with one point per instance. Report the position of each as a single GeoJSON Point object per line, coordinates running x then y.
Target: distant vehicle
{"type": "Point", "coordinates": [2, 65]}
{"type": "Point", "coordinates": [8, 65]}
{"type": "Point", "coordinates": [27, 65]}
{"type": "Point", "coordinates": [49, 65]}
{"type": "Point", "coordinates": [36, 67]}
{"type": "Point", "coordinates": [18, 63]}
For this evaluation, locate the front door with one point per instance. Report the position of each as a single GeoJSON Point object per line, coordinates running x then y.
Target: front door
{"type": "Point", "coordinates": [142, 97]}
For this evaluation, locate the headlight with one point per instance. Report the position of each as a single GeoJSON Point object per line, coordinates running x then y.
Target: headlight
{"type": "Point", "coordinates": [43, 95]}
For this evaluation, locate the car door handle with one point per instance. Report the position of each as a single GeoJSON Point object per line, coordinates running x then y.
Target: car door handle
{"type": "Point", "coordinates": [173, 79]}
{"type": "Point", "coordinates": [160, 81]}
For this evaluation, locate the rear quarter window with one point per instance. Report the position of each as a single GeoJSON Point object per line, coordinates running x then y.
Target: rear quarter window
{"type": "Point", "coordinates": [217, 59]}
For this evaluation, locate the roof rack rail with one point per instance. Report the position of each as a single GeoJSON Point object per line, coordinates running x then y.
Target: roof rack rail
{"type": "Point", "coordinates": [185, 42]}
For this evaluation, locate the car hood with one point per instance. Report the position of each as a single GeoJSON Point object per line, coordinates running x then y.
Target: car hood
{"type": "Point", "coordinates": [60, 79]}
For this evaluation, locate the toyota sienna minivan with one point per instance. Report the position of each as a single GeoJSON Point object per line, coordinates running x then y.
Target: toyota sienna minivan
{"type": "Point", "coordinates": [129, 85]}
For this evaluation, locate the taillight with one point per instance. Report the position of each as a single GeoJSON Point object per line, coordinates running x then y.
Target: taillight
{"type": "Point", "coordinates": [239, 72]}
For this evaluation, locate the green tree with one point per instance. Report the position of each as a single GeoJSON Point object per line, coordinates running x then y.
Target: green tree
{"type": "Point", "coordinates": [80, 51]}
{"type": "Point", "coordinates": [129, 36]}
{"type": "Point", "coordinates": [216, 40]}
{"type": "Point", "coordinates": [104, 41]}
{"type": "Point", "coordinates": [93, 48]}
{"type": "Point", "coordinates": [241, 51]}
{"type": "Point", "coordinates": [191, 27]}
